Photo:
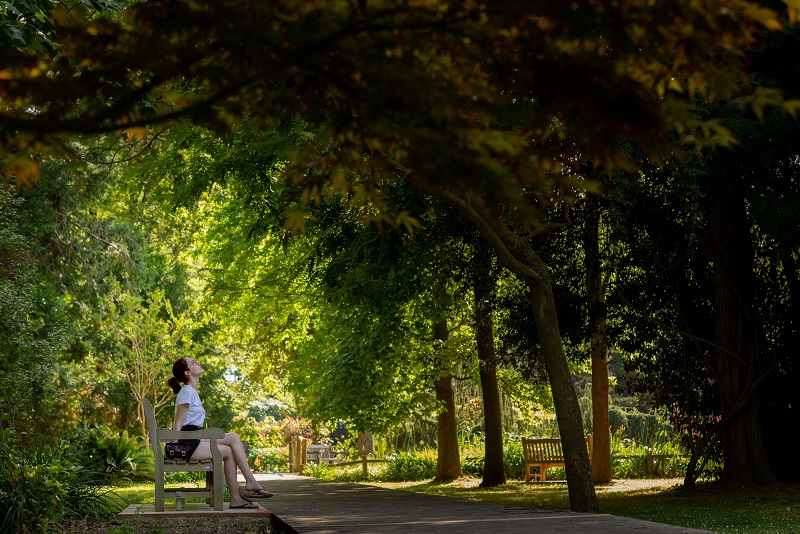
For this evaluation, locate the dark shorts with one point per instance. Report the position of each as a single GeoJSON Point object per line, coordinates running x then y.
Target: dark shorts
{"type": "Point", "coordinates": [193, 442]}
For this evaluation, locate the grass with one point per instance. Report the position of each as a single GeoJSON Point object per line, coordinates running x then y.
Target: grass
{"type": "Point", "coordinates": [747, 510]}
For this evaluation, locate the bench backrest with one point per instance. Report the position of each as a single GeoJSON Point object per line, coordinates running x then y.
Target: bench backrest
{"type": "Point", "coordinates": [152, 429]}
{"type": "Point", "coordinates": [546, 449]}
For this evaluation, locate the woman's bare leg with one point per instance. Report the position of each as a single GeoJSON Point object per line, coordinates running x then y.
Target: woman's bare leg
{"type": "Point", "coordinates": [233, 441]}
{"type": "Point", "coordinates": [228, 466]}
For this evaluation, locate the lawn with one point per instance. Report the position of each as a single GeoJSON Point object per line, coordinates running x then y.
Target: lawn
{"type": "Point", "coordinates": [746, 510]}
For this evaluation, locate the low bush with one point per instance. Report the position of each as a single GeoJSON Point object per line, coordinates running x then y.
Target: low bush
{"type": "Point", "coordinates": [269, 459]}
{"type": "Point", "coordinates": [113, 456]}
{"type": "Point", "coordinates": [629, 460]}
{"type": "Point", "coordinates": [472, 467]}
{"type": "Point", "coordinates": [409, 466]}
{"type": "Point", "coordinates": [514, 458]}
{"type": "Point", "coordinates": [38, 489]}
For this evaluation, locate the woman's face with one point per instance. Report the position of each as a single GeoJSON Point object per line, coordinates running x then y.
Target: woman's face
{"type": "Point", "coordinates": [194, 367]}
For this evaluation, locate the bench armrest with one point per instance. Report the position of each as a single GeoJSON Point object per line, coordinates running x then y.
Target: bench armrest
{"type": "Point", "coordinates": [165, 434]}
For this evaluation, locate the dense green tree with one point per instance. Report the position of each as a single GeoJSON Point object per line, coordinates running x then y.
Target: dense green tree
{"type": "Point", "coordinates": [409, 83]}
{"type": "Point", "coordinates": [717, 314]}
{"type": "Point", "coordinates": [28, 352]}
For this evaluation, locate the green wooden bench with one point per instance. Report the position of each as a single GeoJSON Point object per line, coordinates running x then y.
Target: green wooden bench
{"type": "Point", "coordinates": [215, 478]}
{"type": "Point", "coordinates": [541, 454]}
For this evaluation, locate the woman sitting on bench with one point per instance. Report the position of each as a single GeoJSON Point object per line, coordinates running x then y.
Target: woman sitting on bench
{"type": "Point", "coordinates": [190, 415]}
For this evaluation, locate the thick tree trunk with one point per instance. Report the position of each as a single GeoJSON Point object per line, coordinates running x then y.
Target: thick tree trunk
{"type": "Point", "coordinates": [601, 449]}
{"type": "Point", "coordinates": [494, 472]}
{"type": "Point", "coordinates": [736, 334]}
{"type": "Point", "coordinates": [448, 461]}
{"type": "Point", "coordinates": [516, 254]}
{"type": "Point", "coordinates": [582, 496]}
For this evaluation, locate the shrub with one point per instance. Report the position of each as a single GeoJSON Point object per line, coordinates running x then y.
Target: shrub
{"type": "Point", "coordinates": [271, 434]}
{"type": "Point", "coordinates": [38, 489]}
{"type": "Point", "coordinates": [629, 459]}
{"type": "Point", "coordinates": [183, 477]}
{"type": "Point", "coordinates": [472, 467]}
{"type": "Point", "coordinates": [112, 456]}
{"type": "Point", "coordinates": [513, 457]}
{"type": "Point", "coordinates": [346, 474]}
{"type": "Point", "coordinates": [409, 466]}
{"type": "Point", "coordinates": [269, 459]}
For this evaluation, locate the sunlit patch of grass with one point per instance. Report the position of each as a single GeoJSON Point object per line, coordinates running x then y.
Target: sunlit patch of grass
{"type": "Point", "coordinates": [743, 510]}
{"type": "Point", "coordinates": [145, 493]}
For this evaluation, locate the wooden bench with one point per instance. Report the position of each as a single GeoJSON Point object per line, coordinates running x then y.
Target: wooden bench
{"type": "Point", "coordinates": [215, 479]}
{"type": "Point", "coordinates": [544, 453]}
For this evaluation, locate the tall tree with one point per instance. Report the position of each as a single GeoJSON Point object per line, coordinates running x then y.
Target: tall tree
{"type": "Point", "coordinates": [27, 350]}
{"type": "Point", "coordinates": [145, 338]}
{"type": "Point", "coordinates": [494, 472]}
{"type": "Point", "coordinates": [514, 251]}
{"type": "Point", "coordinates": [401, 82]}
{"type": "Point", "coordinates": [448, 462]}
{"type": "Point", "coordinates": [598, 344]}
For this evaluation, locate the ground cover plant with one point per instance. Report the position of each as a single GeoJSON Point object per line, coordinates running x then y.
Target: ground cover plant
{"type": "Point", "coordinates": [40, 488]}
{"type": "Point", "coordinates": [628, 459]}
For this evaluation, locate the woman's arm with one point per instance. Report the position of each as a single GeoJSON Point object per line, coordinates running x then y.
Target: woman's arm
{"type": "Point", "coordinates": [180, 414]}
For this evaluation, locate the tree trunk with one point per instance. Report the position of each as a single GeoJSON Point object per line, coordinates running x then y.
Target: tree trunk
{"type": "Point", "coordinates": [494, 472]}
{"type": "Point", "coordinates": [736, 334]}
{"type": "Point", "coordinates": [601, 449]}
{"type": "Point", "coordinates": [448, 461]}
{"type": "Point", "coordinates": [582, 496]}
{"type": "Point", "coordinates": [515, 253]}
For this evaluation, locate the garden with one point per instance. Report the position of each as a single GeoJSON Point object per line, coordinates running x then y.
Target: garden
{"type": "Point", "coordinates": [383, 219]}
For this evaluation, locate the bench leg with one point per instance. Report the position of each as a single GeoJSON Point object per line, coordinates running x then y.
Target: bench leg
{"type": "Point", "coordinates": [537, 476]}
{"type": "Point", "coordinates": [160, 492]}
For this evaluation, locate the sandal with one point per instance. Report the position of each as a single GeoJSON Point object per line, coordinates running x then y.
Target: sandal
{"type": "Point", "coordinates": [257, 494]}
{"type": "Point", "coordinates": [247, 506]}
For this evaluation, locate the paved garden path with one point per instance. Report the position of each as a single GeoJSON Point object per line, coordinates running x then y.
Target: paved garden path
{"type": "Point", "coordinates": [306, 505]}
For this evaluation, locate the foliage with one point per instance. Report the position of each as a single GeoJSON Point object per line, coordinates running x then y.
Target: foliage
{"type": "Point", "coordinates": [318, 471]}
{"type": "Point", "coordinates": [269, 458]}
{"type": "Point", "coordinates": [182, 477]}
{"type": "Point", "coordinates": [23, 25]}
{"type": "Point", "coordinates": [37, 490]}
{"type": "Point", "coordinates": [417, 465]}
{"type": "Point", "coordinates": [28, 347]}
{"type": "Point", "coordinates": [409, 86]}
{"type": "Point", "coordinates": [114, 456]}
{"type": "Point", "coordinates": [514, 457]}
{"type": "Point", "coordinates": [269, 432]}
{"type": "Point", "coordinates": [145, 337]}
{"type": "Point", "coordinates": [627, 460]}
{"type": "Point", "coordinates": [267, 440]}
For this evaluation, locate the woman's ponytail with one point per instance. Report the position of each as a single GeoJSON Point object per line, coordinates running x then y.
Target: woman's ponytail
{"type": "Point", "coordinates": [179, 369]}
{"type": "Point", "coordinates": [176, 387]}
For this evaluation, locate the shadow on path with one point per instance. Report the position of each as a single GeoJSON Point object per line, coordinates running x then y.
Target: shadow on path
{"type": "Point", "coordinates": [305, 505]}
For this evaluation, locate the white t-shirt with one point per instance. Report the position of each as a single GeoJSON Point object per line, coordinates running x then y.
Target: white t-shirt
{"type": "Point", "coordinates": [196, 414]}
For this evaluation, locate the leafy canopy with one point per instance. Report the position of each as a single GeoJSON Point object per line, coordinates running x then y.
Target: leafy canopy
{"type": "Point", "coordinates": [468, 94]}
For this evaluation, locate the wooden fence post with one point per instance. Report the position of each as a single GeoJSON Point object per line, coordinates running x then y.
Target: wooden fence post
{"type": "Point", "coordinates": [297, 453]}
